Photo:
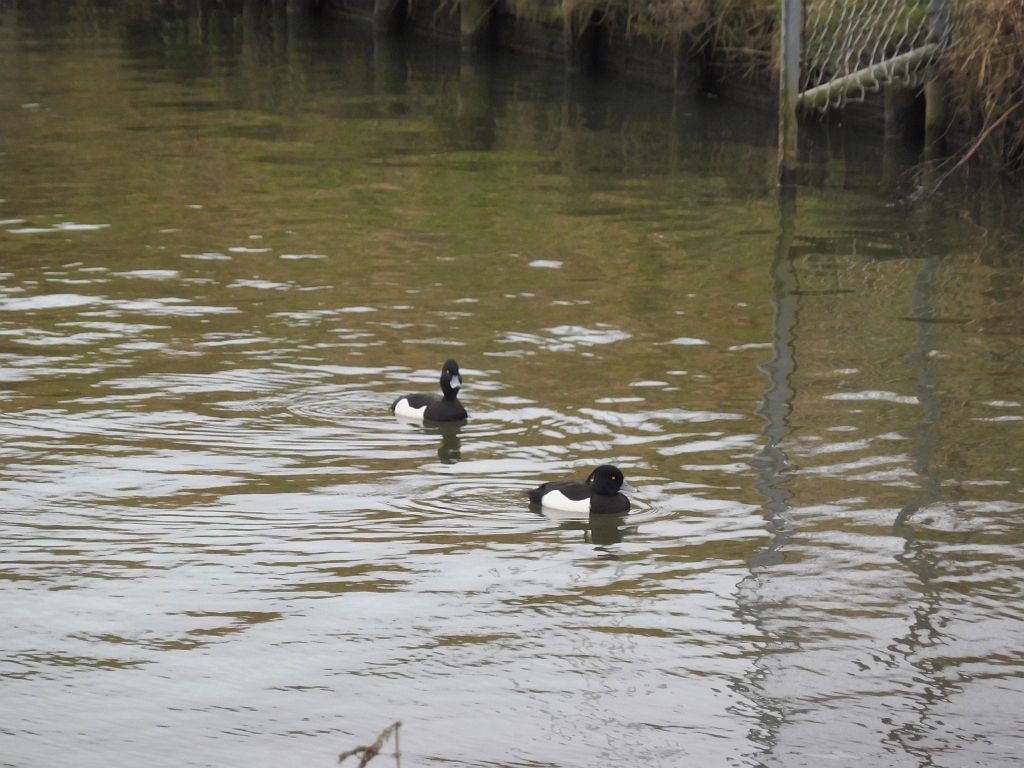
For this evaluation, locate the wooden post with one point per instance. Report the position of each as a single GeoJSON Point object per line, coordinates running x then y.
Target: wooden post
{"type": "Point", "coordinates": [390, 68]}
{"type": "Point", "coordinates": [388, 16]}
{"type": "Point", "coordinates": [474, 107]}
{"type": "Point", "coordinates": [938, 21]}
{"type": "Point", "coordinates": [573, 44]}
{"type": "Point", "coordinates": [893, 127]}
{"type": "Point", "coordinates": [789, 89]}
{"type": "Point", "coordinates": [934, 119]}
{"type": "Point", "coordinates": [582, 32]}
{"type": "Point", "coordinates": [474, 23]}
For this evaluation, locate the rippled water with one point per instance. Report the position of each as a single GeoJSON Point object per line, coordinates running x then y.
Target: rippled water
{"type": "Point", "coordinates": [228, 242]}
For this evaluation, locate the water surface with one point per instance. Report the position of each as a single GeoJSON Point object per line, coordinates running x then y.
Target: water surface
{"type": "Point", "coordinates": [229, 240]}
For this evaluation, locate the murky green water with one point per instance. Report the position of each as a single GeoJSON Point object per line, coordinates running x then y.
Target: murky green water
{"type": "Point", "coordinates": [227, 242]}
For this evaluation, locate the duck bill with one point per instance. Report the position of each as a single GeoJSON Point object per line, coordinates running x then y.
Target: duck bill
{"type": "Point", "coordinates": [455, 382]}
{"type": "Point", "coordinates": [627, 488]}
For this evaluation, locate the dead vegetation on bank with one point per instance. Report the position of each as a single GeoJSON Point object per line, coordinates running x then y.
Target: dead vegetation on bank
{"type": "Point", "coordinates": [984, 68]}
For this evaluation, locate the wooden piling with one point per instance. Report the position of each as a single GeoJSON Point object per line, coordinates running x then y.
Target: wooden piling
{"type": "Point", "coordinates": [571, 35]}
{"type": "Point", "coordinates": [938, 19]}
{"type": "Point", "coordinates": [899, 104]}
{"type": "Point", "coordinates": [934, 119]}
{"type": "Point", "coordinates": [582, 33]}
{"type": "Point", "coordinates": [389, 16]}
{"type": "Point", "coordinates": [475, 20]}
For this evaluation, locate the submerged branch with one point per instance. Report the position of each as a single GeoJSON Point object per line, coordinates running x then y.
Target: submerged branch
{"type": "Point", "coordinates": [372, 750]}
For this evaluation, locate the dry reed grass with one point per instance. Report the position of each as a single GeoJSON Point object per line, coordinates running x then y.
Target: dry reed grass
{"type": "Point", "coordinates": [984, 68]}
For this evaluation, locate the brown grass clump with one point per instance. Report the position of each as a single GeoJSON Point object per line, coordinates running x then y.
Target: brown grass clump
{"type": "Point", "coordinates": [985, 70]}
{"type": "Point", "coordinates": [743, 32]}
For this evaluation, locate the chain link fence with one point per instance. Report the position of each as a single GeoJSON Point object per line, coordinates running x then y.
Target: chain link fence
{"type": "Point", "coordinates": [854, 47]}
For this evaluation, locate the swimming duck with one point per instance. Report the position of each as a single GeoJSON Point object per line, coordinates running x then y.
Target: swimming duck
{"type": "Point", "coordinates": [445, 407]}
{"type": "Point", "coordinates": [598, 494]}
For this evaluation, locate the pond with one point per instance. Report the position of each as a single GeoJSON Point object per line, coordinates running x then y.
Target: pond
{"type": "Point", "coordinates": [228, 240]}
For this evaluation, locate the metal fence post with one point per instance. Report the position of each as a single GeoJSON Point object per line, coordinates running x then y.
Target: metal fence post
{"type": "Point", "coordinates": [789, 89]}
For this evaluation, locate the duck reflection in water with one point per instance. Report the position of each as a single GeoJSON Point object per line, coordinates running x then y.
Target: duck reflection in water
{"type": "Point", "coordinates": [449, 450]}
{"type": "Point", "coordinates": [597, 529]}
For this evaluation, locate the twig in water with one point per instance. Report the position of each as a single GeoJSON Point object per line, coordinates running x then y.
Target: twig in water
{"type": "Point", "coordinates": [977, 144]}
{"type": "Point", "coordinates": [372, 750]}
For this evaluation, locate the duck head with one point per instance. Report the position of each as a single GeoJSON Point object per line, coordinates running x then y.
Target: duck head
{"type": "Point", "coordinates": [451, 379]}
{"type": "Point", "coordinates": [607, 480]}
